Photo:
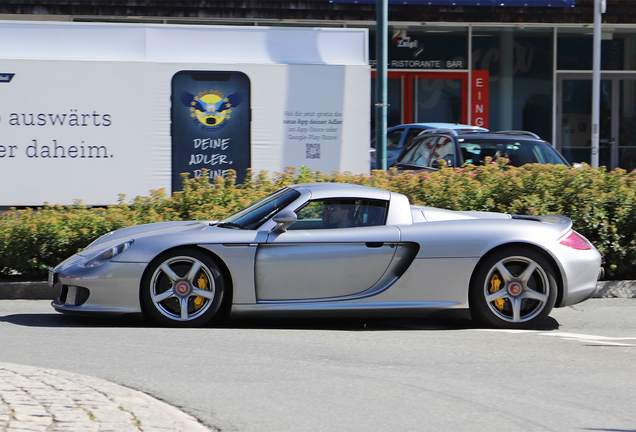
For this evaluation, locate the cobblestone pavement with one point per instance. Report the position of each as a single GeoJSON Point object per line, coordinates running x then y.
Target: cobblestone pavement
{"type": "Point", "coordinates": [34, 399]}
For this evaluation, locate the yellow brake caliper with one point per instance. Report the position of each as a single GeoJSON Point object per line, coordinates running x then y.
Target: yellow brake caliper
{"type": "Point", "coordinates": [202, 282]}
{"type": "Point", "coordinates": [495, 285]}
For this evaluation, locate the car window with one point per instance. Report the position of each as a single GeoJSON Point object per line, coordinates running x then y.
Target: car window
{"type": "Point", "coordinates": [393, 139]}
{"type": "Point", "coordinates": [412, 133]}
{"type": "Point", "coordinates": [420, 152]}
{"type": "Point", "coordinates": [518, 151]}
{"type": "Point", "coordinates": [256, 214]}
{"type": "Point", "coordinates": [445, 149]}
{"type": "Point", "coordinates": [546, 154]}
{"type": "Point", "coordinates": [340, 213]}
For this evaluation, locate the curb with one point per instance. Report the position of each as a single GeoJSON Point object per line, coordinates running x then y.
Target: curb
{"type": "Point", "coordinates": [616, 289]}
{"type": "Point", "coordinates": [42, 291]}
{"type": "Point", "coordinates": [27, 291]}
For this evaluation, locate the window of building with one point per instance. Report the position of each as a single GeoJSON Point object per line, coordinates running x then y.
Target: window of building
{"type": "Point", "coordinates": [520, 65]}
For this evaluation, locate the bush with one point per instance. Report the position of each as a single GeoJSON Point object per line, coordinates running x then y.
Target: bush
{"type": "Point", "coordinates": [601, 205]}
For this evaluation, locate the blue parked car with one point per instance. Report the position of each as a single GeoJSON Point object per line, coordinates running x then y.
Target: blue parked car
{"type": "Point", "coordinates": [398, 137]}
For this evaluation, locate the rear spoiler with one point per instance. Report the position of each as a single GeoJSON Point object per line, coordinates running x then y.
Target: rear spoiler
{"type": "Point", "coordinates": [564, 221]}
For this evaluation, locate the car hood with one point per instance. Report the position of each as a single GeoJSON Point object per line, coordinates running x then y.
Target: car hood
{"type": "Point", "coordinates": [133, 232]}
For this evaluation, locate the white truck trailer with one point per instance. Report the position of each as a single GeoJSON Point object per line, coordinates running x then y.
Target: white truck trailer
{"type": "Point", "coordinates": [89, 111]}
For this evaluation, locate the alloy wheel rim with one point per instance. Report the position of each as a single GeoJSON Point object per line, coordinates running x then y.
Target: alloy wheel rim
{"type": "Point", "coordinates": [182, 288]}
{"type": "Point", "coordinates": [521, 292]}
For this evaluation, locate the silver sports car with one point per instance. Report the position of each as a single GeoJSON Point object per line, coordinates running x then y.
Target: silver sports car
{"type": "Point", "coordinates": [334, 248]}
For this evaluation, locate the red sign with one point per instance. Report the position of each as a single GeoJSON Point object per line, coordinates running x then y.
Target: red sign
{"type": "Point", "coordinates": [479, 98]}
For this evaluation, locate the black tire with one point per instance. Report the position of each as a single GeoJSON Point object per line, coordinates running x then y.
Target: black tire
{"type": "Point", "coordinates": [513, 288]}
{"type": "Point", "coordinates": [182, 288]}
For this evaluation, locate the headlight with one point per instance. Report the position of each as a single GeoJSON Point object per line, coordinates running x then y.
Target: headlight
{"type": "Point", "coordinates": [107, 254]}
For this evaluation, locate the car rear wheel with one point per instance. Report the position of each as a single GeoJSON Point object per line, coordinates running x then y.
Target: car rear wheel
{"type": "Point", "coordinates": [513, 288]}
{"type": "Point", "coordinates": [182, 288]}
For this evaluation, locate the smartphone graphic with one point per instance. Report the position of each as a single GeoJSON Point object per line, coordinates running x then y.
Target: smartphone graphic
{"type": "Point", "coordinates": [211, 119]}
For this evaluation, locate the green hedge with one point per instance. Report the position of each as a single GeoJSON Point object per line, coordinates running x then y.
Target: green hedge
{"type": "Point", "coordinates": [600, 203]}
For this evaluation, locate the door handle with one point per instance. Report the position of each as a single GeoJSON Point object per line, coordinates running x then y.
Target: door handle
{"type": "Point", "coordinates": [374, 244]}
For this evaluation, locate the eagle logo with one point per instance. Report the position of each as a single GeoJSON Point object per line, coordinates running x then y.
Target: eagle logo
{"type": "Point", "coordinates": [211, 109]}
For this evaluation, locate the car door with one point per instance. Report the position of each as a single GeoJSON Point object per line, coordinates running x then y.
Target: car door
{"type": "Point", "coordinates": [313, 264]}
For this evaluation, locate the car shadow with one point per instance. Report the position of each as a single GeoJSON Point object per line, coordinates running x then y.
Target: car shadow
{"type": "Point", "coordinates": [439, 321]}
{"type": "Point", "coordinates": [59, 320]}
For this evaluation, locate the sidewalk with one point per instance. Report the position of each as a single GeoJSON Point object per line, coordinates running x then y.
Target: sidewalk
{"type": "Point", "coordinates": [36, 399]}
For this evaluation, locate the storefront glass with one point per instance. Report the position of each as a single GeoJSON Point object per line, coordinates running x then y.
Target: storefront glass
{"type": "Point", "coordinates": [423, 47]}
{"type": "Point", "coordinates": [627, 125]}
{"type": "Point", "coordinates": [416, 55]}
{"type": "Point", "coordinates": [574, 49]}
{"type": "Point", "coordinates": [576, 120]}
{"type": "Point", "coordinates": [428, 75]}
{"type": "Point", "coordinates": [520, 65]}
{"type": "Point", "coordinates": [617, 147]}
{"type": "Point", "coordinates": [437, 100]}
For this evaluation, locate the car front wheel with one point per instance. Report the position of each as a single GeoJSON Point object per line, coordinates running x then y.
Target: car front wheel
{"type": "Point", "coordinates": [513, 288]}
{"type": "Point", "coordinates": [182, 288]}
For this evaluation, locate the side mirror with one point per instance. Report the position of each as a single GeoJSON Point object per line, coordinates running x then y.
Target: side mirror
{"type": "Point", "coordinates": [283, 220]}
{"type": "Point", "coordinates": [436, 163]}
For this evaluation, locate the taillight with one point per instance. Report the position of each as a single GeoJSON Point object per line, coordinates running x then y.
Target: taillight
{"type": "Point", "coordinates": [576, 241]}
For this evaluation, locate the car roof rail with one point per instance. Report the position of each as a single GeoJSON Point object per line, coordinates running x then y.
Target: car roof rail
{"type": "Point", "coordinates": [439, 131]}
{"type": "Point", "coordinates": [519, 132]}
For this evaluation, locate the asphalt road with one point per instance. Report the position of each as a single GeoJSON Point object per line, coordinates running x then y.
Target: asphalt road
{"type": "Point", "coordinates": [576, 374]}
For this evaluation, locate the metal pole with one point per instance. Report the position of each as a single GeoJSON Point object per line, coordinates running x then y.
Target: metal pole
{"type": "Point", "coordinates": [381, 99]}
{"type": "Point", "coordinates": [596, 83]}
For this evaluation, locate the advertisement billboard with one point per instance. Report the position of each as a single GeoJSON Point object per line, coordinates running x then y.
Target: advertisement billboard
{"type": "Point", "coordinates": [128, 108]}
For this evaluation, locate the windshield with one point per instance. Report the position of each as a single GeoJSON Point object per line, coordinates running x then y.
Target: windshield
{"type": "Point", "coordinates": [518, 151]}
{"type": "Point", "coordinates": [256, 214]}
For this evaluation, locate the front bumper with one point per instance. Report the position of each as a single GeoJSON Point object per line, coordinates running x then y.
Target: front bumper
{"type": "Point", "coordinates": [110, 289]}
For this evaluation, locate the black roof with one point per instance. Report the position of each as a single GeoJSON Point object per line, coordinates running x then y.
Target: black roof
{"type": "Point", "coordinates": [618, 11]}
{"type": "Point", "coordinates": [506, 134]}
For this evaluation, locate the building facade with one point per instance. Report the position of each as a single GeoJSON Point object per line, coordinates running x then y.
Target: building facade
{"type": "Point", "coordinates": [537, 60]}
